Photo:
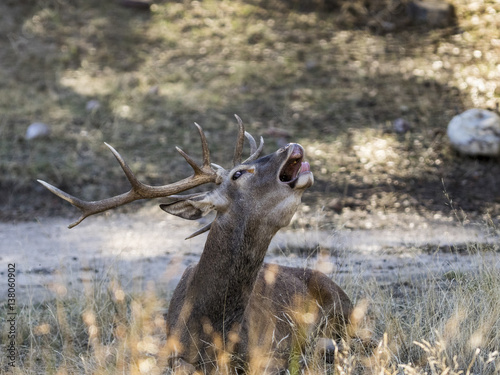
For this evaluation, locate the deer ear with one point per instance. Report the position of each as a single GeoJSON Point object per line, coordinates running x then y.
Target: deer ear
{"type": "Point", "coordinates": [192, 207]}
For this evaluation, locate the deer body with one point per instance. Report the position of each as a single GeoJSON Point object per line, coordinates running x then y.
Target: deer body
{"type": "Point", "coordinates": [231, 311]}
{"type": "Point", "coordinates": [232, 302]}
{"type": "Point", "coordinates": [271, 326]}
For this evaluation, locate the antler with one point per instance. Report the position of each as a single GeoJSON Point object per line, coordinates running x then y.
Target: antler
{"type": "Point", "coordinates": [254, 150]}
{"type": "Point", "coordinates": [202, 174]}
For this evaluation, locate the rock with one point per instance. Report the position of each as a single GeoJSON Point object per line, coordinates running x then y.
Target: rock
{"type": "Point", "coordinates": [388, 26]}
{"type": "Point", "coordinates": [401, 126]}
{"type": "Point", "coordinates": [435, 13]}
{"type": "Point", "coordinates": [92, 105]}
{"type": "Point", "coordinates": [475, 132]}
{"type": "Point", "coordinates": [37, 130]}
{"type": "Point", "coordinates": [377, 25]}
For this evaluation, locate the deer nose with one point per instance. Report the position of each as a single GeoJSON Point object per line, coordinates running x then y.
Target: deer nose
{"type": "Point", "coordinates": [288, 145]}
{"type": "Point", "coordinates": [296, 150]}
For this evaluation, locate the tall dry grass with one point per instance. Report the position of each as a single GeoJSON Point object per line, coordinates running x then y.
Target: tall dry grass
{"type": "Point", "coordinates": [446, 324]}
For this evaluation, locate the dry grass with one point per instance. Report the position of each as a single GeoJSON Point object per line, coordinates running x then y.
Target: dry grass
{"type": "Point", "coordinates": [440, 324]}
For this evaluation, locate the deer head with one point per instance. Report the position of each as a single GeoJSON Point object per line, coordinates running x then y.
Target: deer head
{"type": "Point", "coordinates": [267, 190]}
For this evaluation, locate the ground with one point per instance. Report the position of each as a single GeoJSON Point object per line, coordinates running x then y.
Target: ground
{"type": "Point", "coordinates": [149, 246]}
{"type": "Point", "coordinates": [309, 76]}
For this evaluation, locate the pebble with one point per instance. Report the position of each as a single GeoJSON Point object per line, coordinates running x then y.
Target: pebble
{"type": "Point", "coordinates": [434, 13]}
{"type": "Point", "coordinates": [154, 90]}
{"type": "Point", "coordinates": [401, 126]}
{"type": "Point", "coordinates": [37, 130]}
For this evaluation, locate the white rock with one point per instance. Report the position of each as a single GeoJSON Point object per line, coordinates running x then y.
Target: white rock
{"type": "Point", "coordinates": [37, 130]}
{"type": "Point", "coordinates": [475, 132]}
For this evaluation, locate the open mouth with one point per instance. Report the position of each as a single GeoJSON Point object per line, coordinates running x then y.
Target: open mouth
{"type": "Point", "coordinates": [294, 166]}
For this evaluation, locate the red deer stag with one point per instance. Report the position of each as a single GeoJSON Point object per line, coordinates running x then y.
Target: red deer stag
{"type": "Point", "coordinates": [231, 312]}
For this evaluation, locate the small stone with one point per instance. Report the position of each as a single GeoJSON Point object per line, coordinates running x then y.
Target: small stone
{"type": "Point", "coordinates": [388, 26]}
{"type": "Point", "coordinates": [311, 65]}
{"type": "Point", "coordinates": [37, 130]}
{"type": "Point", "coordinates": [92, 105]}
{"type": "Point", "coordinates": [401, 126]}
{"type": "Point", "coordinates": [475, 132]}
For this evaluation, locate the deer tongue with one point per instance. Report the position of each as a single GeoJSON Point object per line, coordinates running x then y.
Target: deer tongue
{"type": "Point", "coordinates": [305, 167]}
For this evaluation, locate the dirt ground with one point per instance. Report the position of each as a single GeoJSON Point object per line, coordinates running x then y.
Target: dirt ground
{"type": "Point", "coordinates": [149, 246]}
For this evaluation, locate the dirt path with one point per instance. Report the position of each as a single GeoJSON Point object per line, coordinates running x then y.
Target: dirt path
{"type": "Point", "coordinates": [150, 246]}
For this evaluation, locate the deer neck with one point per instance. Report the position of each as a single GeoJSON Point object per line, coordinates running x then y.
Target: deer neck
{"type": "Point", "coordinates": [229, 265]}
{"type": "Point", "coordinates": [240, 244]}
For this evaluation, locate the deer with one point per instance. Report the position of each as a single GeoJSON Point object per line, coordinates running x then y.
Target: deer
{"type": "Point", "coordinates": [231, 312]}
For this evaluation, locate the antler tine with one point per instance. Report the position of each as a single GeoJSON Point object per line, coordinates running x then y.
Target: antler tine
{"type": "Point", "coordinates": [190, 160]}
{"type": "Point", "coordinates": [199, 231]}
{"type": "Point", "coordinates": [202, 175]}
{"type": "Point", "coordinates": [69, 198]}
{"type": "Point", "coordinates": [126, 169]}
{"type": "Point", "coordinates": [255, 152]}
{"type": "Point", "coordinates": [206, 154]}
{"type": "Point", "coordinates": [239, 142]}
{"type": "Point", "coordinates": [251, 140]}
{"type": "Point", "coordinates": [204, 146]}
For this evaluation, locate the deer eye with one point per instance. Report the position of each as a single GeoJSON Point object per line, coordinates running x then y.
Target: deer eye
{"type": "Point", "coordinates": [237, 174]}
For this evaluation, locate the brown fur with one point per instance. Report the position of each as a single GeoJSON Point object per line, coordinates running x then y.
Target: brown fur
{"type": "Point", "coordinates": [230, 310]}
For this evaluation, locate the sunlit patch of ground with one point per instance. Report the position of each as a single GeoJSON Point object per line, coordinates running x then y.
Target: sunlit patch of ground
{"type": "Point", "coordinates": [314, 77]}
